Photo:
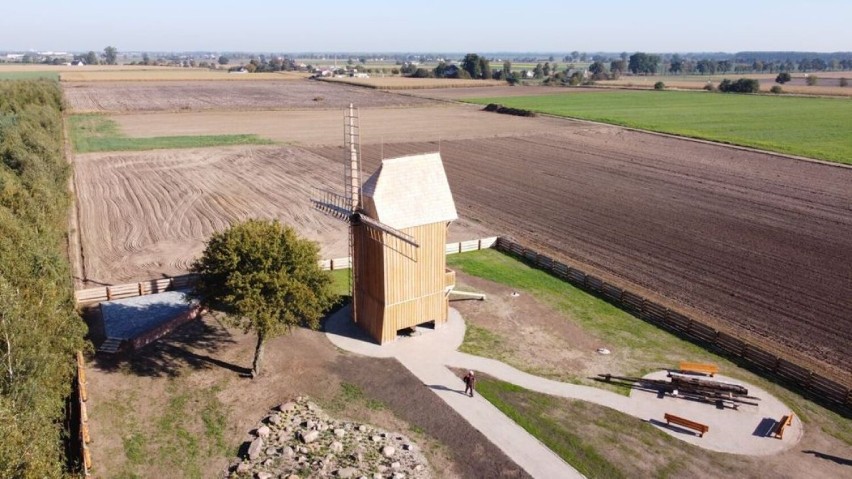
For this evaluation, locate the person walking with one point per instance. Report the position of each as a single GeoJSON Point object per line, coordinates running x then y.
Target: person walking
{"type": "Point", "coordinates": [469, 383]}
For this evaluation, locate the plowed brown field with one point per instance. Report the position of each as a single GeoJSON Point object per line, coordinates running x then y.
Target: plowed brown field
{"type": "Point", "coordinates": [755, 243]}
{"type": "Point", "coordinates": [223, 95]}
{"type": "Point", "coordinates": [147, 214]}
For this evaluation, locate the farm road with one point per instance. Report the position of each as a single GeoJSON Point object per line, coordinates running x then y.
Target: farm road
{"type": "Point", "coordinates": [751, 242]}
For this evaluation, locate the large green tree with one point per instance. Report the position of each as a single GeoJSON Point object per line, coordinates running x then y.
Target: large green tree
{"type": "Point", "coordinates": [265, 278]}
{"type": "Point", "coordinates": [110, 55]}
{"type": "Point", "coordinates": [471, 65]}
{"type": "Point", "coordinates": [642, 63]}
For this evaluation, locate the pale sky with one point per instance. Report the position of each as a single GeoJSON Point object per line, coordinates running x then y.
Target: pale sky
{"type": "Point", "coordinates": [427, 26]}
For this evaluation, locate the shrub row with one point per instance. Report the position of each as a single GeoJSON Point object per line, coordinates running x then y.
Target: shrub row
{"type": "Point", "coordinates": [39, 327]}
{"type": "Point", "coordinates": [743, 85]}
{"type": "Point", "coordinates": [508, 110]}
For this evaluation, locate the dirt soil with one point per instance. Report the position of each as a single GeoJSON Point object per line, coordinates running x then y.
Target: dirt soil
{"type": "Point", "coordinates": [202, 366]}
{"type": "Point", "coordinates": [221, 95]}
{"type": "Point", "coordinates": [325, 127]}
{"type": "Point", "coordinates": [537, 338]}
{"type": "Point", "coordinates": [756, 243]}
{"type": "Point", "coordinates": [144, 215]}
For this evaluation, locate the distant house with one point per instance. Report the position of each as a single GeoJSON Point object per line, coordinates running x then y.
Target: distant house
{"type": "Point", "coordinates": [78, 63]}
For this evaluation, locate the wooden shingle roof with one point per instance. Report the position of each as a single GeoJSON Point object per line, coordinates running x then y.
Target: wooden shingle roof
{"type": "Point", "coordinates": [409, 191]}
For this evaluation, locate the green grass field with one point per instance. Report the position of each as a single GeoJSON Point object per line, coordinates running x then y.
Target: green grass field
{"type": "Point", "coordinates": [28, 75]}
{"type": "Point", "coordinates": [811, 127]}
{"type": "Point", "coordinates": [90, 133]}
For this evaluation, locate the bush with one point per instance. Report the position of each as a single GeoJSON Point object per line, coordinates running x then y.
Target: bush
{"type": "Point", "coordinates": [811, 80]}
{"type": "Point", "coordinates": [844, 82]}
{"type": "Point", "coordinates": [421, 73]}
{"type": "Point", "coordinates": [776, 89]}
{"type": "Point", "coordinates": [743, 85]}
{"type": "Point", "coordinates": [783, 78]}
{"type": "Point", "coordinates": [659, 86]}
{"type": "Point", "coordinates": [710, 87]}
{"type": "Point", "coordinates": [497, 108]}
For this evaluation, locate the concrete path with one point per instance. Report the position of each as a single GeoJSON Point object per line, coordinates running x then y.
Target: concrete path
{"type": "Point", "coordinates": [428, 355]}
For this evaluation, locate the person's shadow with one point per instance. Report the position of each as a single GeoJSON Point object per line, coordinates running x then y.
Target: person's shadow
{"type": "Point", "coordinates": [839, 460]}
{"type": "Point", "coordinates": [440, 387]}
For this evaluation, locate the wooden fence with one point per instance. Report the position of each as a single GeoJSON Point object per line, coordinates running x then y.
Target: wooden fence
{"type": "Point", "coordinates": [121, 291]}
{"type": "Point", "coordinates": [83, 425]}
{"type": "Point", "coordinates": [747, 354]}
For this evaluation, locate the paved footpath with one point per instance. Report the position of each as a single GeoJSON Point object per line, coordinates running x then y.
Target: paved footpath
{"type": "Point", "coordinates": [429, 354]}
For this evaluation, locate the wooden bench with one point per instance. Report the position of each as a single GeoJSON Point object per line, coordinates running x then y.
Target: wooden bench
{"type": "Point", "coordinates": [778, 430]}
{"type": "Point", "coordinates": [708, 369]}
{"type": "Point", "coordinates": [701, 428]}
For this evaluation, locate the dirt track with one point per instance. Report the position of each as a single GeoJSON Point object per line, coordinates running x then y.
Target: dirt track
{"type": "Point", "coordinates": [757, 243]}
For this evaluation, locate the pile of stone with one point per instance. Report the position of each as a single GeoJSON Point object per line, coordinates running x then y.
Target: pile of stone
{"type": "Point", "coordinates": [297, 439]}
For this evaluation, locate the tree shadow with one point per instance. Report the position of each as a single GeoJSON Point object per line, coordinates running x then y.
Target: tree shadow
{"type": "Point", "coordinates": [839, 460]}
{"type": "Point", "coordinates": [189, 346]}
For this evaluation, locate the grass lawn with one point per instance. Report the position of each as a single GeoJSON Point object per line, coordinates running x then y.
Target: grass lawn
{"type": "Point", "coordinates": [601, 442]}
{"type": "Point", "coordinates": [811, 127]}
{"type": "Point", "coordinates": [340, 278]}
{"type": "Point", "coordinates": [90, 133]}
{"type": "Point", "coordinates": [639, 347]}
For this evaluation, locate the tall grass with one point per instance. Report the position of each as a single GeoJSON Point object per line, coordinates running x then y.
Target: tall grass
{"type": "Point", "coordinates": [40, 329]}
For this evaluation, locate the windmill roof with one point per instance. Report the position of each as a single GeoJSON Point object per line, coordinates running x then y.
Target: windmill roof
{"type": "Point", "coordinates": [409, 191]}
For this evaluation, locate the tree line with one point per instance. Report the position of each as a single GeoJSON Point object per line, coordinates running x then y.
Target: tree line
{"type": "Point", "coordinates": [40, 329]}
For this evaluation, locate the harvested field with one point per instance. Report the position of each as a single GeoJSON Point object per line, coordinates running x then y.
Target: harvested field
{"type": "Point", "coordinates": [325, 127]}
{"type": "Point", "coordinates": [176, 74]}
{"type": "Point", "coordinates": [406, 83]}
{"type": "Point", "coordinates": [755, 243]}
{"type": "Point", "coordinates": [223, 95]}
{"type": "Point", "coordinates": [147, 214]}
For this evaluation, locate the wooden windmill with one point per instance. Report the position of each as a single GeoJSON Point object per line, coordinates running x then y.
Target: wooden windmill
{"type": "Point", "coordinates": [398, 222]}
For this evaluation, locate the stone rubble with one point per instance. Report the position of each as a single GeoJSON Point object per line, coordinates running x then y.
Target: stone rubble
{"type": "Point", "coordinates": [297, 440]}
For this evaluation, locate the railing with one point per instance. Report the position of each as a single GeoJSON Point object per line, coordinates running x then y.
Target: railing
{"type": "Point", "coordinates": [83, 396]}
{"type": "Point", "coordinates": [121, 291]}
